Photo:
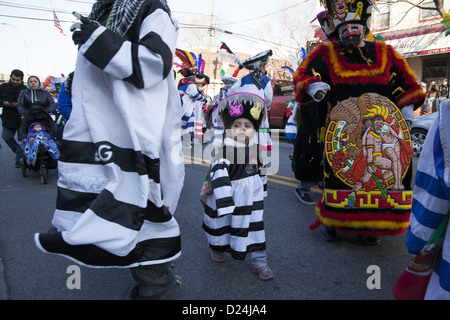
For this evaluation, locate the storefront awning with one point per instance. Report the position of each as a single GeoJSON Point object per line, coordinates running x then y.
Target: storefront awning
{"type": "Point", "coordinates": [419, 41]}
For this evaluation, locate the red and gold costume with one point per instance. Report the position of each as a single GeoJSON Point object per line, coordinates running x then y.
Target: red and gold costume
{"type": "Point", "coordinates": [367, 171]}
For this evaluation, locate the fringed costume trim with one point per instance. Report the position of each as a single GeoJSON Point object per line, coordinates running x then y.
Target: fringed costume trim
{"type": "Point", "coordinates": [382, 223]}
{"type": "Point", "coordinates": [343, 72]}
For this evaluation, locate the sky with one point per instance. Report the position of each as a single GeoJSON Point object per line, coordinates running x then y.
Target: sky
{"type": "Point", "coordinates": [30, 41]}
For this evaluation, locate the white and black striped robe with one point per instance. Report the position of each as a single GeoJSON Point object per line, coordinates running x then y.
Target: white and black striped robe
{"type": "Point", "coordinates": [121, 150]}
{"type": "Point", "coordinates": [233, 218]}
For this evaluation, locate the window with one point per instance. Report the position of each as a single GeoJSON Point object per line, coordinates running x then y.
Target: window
{"type": "Point", "coordinates": [435, 70]}
{"type": "Point", "coordinates": [427, 13]}
{"type": "Point", "coordinates": [383, 17]}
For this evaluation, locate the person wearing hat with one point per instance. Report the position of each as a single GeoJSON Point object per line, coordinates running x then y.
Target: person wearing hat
{"type": "Point", "coordinates": [35, 97]}
{"type": "Point", "coordinates": [202, 107]}
{"type": "Point", "coordinates": [257, 82]}
{"type": "Point", "coordinates": [351, 77]}
{"type": "Point", "coordinates": [191, 89]}
{"type": "Point", "coordinates": [234, 191]}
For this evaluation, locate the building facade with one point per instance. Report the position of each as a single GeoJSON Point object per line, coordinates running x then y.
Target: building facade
{"type": "Point", "coordinates": [417, 34]}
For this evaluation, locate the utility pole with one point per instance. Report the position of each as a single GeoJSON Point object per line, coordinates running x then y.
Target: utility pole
{"type": "Point", "coordinates": [211, 30]}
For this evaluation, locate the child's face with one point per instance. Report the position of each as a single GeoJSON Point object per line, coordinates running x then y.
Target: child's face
{"type": "Point", "coordinates": [242, 130]}
{"type": "Point", "coordinates": [37, 127]}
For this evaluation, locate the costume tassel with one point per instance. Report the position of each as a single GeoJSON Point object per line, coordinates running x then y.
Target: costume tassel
{"type": "Point", "coordinates": [315, 225]}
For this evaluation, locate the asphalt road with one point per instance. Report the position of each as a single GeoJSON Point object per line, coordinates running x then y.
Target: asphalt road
{"type": "Point", "coordinates": [305, 266]}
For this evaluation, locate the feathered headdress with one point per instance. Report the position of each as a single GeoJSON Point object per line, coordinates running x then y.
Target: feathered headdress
{"type": "Point", "coordinates": [188, 65]}
{"type": "Point", "coordinates": [191, 65]}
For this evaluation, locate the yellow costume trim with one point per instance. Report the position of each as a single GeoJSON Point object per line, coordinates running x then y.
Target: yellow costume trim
{"type": "Point", "coordinates": [362, 72]}
{"type": "Point", "coordinates": [409, 96]}
{"type": "Point", "coordinates": [373, 200]}
{"type": "Point", "coordinates": [398, 92]}
{"type": "Point", "coordinates": [362, 225]}
{"type": "Point", "coordinates": [316, 74]}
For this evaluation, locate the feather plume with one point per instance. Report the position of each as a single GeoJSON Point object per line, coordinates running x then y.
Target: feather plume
{"type": "Point", "coordinates": [191, 58]}
{"type": "Point", "coordinates": [200, 62]}
{"type": "Point", "coordinates": [202, 67]}
{"type": "Point", "coordinates": [234, 58]}
{"type": "Point", "coordinates": [194, 58]}
{"type": "Point", "coordinates": [185, 57]}
{"type": "Point", "coordinates": [178, 65]}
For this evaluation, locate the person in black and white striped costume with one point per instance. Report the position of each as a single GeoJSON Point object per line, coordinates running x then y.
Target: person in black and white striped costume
{"type": "Point", "coordinates": [119, 174]}
{"type": "Point", "coordinates": [234, 203]}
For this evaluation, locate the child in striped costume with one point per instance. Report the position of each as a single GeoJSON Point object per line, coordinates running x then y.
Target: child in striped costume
{"type": "Point", "coordinates": [233, 218]}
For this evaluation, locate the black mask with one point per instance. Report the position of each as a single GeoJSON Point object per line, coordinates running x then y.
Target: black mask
{"type": "Point", "coordinates": [351, 35]}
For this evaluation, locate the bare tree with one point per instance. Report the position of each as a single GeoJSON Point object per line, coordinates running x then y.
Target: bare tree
{"type": "Point", "coordinates": [194, 33]}
{"type": "Point", "coordinates": [439, 5]}
{"type": "Point", "coordinates": [292, 28]}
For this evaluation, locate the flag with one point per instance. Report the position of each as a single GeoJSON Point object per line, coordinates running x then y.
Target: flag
{"type": "Point", "coordinates": [57, 24]}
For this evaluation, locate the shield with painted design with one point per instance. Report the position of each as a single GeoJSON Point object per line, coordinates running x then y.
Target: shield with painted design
{"type": "Point", "coordinates": [368, 146]}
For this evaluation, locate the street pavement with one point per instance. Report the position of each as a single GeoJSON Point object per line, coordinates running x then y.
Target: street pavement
{"type": "Point", "coordinates": [305, 266]}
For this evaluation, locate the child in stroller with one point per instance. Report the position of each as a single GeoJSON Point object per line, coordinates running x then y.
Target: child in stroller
{"type": "Point", "coordinates": [40, 150]}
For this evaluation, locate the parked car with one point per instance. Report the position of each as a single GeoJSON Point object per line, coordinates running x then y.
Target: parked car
{"type": "Point", "coordinates": [419, 131]}
{"type": "Point", "coordinates": [282, 92]}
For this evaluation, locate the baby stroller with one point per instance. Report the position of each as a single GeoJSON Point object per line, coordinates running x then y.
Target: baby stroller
{"type": "Point", "coordinates": [43, 160]}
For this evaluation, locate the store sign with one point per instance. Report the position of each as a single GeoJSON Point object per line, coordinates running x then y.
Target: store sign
{"type": "Point", "coordinates": [433, 43]}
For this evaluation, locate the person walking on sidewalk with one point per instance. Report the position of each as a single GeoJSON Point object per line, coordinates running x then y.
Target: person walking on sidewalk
{"type": "Point", "coordinates": [9, 94]}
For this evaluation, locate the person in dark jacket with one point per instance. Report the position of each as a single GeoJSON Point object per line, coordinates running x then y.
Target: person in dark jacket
{"type": "Point", "coordinates": [9, 93]}
{"type": "Point", "coordinates": [35, 97]}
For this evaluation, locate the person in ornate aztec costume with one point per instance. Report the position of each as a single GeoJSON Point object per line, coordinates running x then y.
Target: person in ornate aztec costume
{"type": "Point", "coordinates": [257, 83]}
{"type": "Point", "coordinates": [234, 191]}
{"type": "Point", "coordinates": [191, 89]}
{"type": "Point", "coordinates": [119, 182]}
{"type": "Point", "coordinates": [369, 93]}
